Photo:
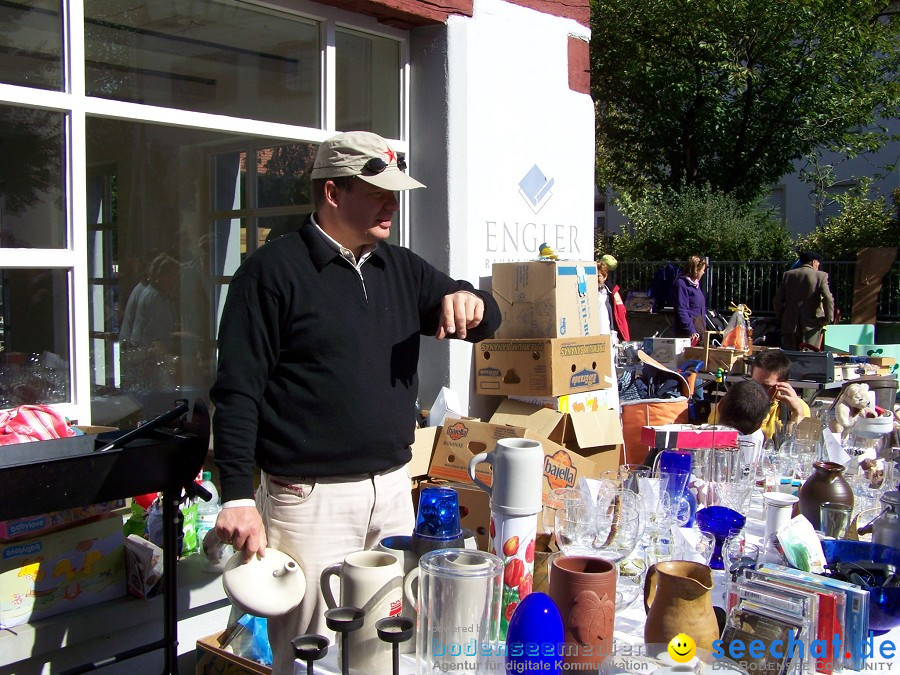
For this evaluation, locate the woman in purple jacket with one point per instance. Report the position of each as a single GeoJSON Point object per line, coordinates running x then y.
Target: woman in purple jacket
{"type": "Point", "coordinates": [690, 303]}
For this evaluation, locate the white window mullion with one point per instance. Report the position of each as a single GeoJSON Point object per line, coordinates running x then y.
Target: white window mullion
{"type": "Point", "coordinates": [329, 76]}
{"type": "Point", "coordinates": [76, 182]}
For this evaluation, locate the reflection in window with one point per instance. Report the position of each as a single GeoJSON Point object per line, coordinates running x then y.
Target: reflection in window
{"type": "Point", "coordinates": [169, 210]}
{"type": "Point", "coordinates": [367, 83]}
{"type": "Point", "coordinates": [32, 188]}
{"type": "Point", "coordinates": [34, 334]}
{"type": "Point", "coordinates": [31, 43]}
{"type": "Point", "coordinates": [213, 57]}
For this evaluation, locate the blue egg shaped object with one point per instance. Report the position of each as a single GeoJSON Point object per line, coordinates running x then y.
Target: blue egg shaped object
{"type": "Point", "coordinates": [534, 637]}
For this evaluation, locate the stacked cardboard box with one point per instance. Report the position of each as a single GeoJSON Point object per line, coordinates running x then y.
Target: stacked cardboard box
{"type": "Point", "coordinates": [555, 369]}
{"type": "Point", "coordinates": [557, 374]}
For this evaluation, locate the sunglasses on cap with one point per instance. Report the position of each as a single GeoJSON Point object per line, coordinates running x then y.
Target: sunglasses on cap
{"type": "Point", "coordinates": [376, 165]}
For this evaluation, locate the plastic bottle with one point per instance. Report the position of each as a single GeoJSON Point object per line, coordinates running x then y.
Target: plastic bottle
{"type": "Point", "coordinates": [207, 511]}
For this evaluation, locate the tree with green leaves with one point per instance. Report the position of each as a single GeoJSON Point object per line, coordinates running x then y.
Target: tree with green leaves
{"type": "Point", "coordinates": [729, 94]}
{"type": "Point", "coordinates": [674, 225]}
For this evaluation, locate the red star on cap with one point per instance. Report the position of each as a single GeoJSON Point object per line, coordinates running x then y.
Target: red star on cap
{"type": "Point", "coordinates": [391, 156]}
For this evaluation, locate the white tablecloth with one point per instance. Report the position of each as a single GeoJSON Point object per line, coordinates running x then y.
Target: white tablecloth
{"type": "Point", "coordinates": [629, 627]}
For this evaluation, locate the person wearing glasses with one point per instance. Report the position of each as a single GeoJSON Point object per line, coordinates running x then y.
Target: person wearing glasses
{"type": "Point", "coordinates": [316, 382]}
{"type": "Point", "coordinates": [771, 369]}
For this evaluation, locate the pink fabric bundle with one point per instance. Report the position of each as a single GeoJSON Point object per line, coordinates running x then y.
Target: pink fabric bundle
{"type": "Point", "coordinates": [27, 423]}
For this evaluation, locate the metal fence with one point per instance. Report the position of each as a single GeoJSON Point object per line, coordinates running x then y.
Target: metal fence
{"type": "Point", "coordinates": [755, 284]}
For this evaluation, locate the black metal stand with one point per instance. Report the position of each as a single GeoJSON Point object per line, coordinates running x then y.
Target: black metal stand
{"type": "Point", "coordinates": [153, 458]}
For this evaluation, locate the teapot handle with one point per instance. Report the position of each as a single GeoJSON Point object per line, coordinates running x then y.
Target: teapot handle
{"type": "Point", "coordinates": [649, 587]}
{"type": "Point", "coordinates": [481, 457]}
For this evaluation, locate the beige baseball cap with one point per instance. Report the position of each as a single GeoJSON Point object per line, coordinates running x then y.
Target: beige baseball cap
{"type": "Point", "coordinates": [363, 154]}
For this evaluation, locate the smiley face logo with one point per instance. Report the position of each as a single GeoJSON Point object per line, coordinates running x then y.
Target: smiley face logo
{"type": "Point", "coordinates": [682, 648]}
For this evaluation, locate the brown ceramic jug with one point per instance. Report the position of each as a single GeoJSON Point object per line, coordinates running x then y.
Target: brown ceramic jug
{"type": "Point", "coordinates": [678, 599]}
{"type": "Point", "coordinates": [825, 484]}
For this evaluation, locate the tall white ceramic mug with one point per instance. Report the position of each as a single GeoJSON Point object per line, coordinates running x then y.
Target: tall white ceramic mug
{"type": "Point", "coordinates": [401, 546]}
{"type": "Point", "coordinates": [372, 581]}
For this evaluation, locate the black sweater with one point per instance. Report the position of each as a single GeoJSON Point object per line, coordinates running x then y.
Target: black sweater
{"type": "Point", "coordinates": [317, 368]}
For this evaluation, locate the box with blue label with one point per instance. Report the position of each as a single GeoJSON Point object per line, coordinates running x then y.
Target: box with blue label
{"type": "Point", "coordinates": [667, 351]}
{"type": "Point", "coordinates": [550, 367]}
{"type": "Point", "coordinates": [61, 571]}
{"type": "Point", "coordinates": [546, 299]}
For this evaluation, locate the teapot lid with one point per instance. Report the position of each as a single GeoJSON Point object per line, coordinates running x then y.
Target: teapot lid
{"type": "Point", "coordinates": [269, 586]}
{"type": "Point", "coordinates": [890, 498]}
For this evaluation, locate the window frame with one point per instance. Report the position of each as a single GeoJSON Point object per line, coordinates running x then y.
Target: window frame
{"type": "Point", "coordinates": [77, 107]}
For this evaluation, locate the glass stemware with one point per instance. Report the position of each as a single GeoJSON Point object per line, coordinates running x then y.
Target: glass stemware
{"type": "Point", "coordinates": [630, 582]}
{"type": "Point", "coordinates": [607, 528]}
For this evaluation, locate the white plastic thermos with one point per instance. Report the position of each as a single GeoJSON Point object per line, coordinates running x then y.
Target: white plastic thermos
{"type": "Point", "coordinates": [516, 499]}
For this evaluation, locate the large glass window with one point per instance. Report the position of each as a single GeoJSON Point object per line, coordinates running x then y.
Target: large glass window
{"type": "Point", "coordinates": [368, 72]}
{"type": "Point", "coordinates": [31, 43]}
{"type": "Point", "coordinates": [213, 57]}
{"type": "Point", "coordinates": [172, 212]}
{"type": "Point", "coordinates": [32, 191]}
{"type": "Point", "coordinates": [113, 316]}
{"type": "Point", "coordinates": [34, 336]}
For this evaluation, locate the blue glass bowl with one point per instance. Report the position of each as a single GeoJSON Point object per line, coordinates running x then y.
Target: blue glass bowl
{"type": "Point", "coordinates": [720, 521]}
{"type": "Point", "coordinates": [884, 603]}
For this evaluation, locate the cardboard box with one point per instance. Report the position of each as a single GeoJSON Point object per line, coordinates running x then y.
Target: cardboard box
{"type": "Point", "coordinates": [474, 507]}
{"type": "Point", "coordinates": [543, 367]}
{"type": "Point", "coordinates": [422, 450]}
{"type": "Point", "coordinates": [599, 399]}
{"type": "Point", "coordinates": [689, 436]}
{"type": "Point", "coordinates": [211, 658]}
{"type": "Point", "coordinates": [594, 435]}
{"type": "Point", "coordinates": [715, 357]}
{"type": "Point", "coordinates": [20, 528]}
{"type": "Point", "coordinates": [638, 301]}
{"type": "Point", "coordinates": [666, 350]}
{"type": "Point", "coordinates": [72, 568]}
{"type": "Point", "coordinates": [460, 440]}
{"type": "Point", "coordinates": [546, 298]}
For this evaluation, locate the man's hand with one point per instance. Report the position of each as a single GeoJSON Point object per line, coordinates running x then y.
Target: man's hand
{"type": "Point", "coordinates": [785, 392]}
{"type": "Point", "coordinates": [242, 527]}
{"type": "Point", "coordinates": [459, 312]}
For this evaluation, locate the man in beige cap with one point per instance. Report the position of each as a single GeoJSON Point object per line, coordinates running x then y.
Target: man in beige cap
{"type": "Point", "coordinates": [316, 382]}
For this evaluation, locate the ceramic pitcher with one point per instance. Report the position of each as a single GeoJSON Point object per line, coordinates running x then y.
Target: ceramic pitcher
{"type": "Point", "coordinates": [825, 484]}
{"type": "Point", "coordinates": [678, 599]}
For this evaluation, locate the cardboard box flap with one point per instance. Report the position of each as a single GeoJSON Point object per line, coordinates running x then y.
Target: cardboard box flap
{"type": "Point", "coordinates": [596, 428]}
{"type": "Point", "coordinates": [540, 420]}
{"type": "Point", "coordinates": [422, 451]}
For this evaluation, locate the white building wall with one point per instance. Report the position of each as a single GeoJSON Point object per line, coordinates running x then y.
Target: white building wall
{"type": "Point", "coordinates": [491, 102]}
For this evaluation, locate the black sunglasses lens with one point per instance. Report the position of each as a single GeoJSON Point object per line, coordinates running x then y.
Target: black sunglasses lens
{"type": "Point", "coordinates": [375, 165]}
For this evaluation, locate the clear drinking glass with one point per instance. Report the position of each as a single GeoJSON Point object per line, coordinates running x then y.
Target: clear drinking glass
{"type": "Point", "coordinates": [630, 582]}
{"type": "Point", "coordinates": [617, 520]}
{"type": "Point", "coordinates": [574, 522]}
{"type": "Point", "coordinates": [738, 551]}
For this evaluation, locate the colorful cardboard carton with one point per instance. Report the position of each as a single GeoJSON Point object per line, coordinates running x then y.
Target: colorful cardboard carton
{"type": "Point", "coordinates": [60, 571]}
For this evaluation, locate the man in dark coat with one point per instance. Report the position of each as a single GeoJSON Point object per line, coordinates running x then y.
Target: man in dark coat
{"type": "Point", "coordinates": [803, 303]}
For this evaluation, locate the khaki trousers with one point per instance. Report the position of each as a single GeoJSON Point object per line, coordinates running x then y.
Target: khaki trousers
{"type": "Point", "coordinates": [318, 521]}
